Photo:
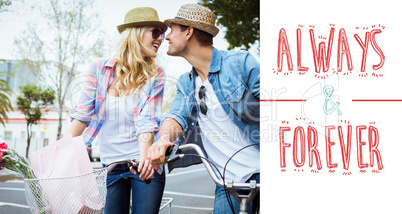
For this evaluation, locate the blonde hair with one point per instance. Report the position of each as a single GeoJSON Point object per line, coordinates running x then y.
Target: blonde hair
{"type": "Point", "coordinates": [132, 69]}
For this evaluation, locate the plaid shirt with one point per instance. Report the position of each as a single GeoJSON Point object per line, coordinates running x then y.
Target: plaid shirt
{"type": "Point", "coordinates": [91, 110]}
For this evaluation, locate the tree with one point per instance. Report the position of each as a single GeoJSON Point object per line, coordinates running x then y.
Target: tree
{"type": "Point", "coordinates": [31, 102]}
{"type": "Point", "coordinates": [241, 19]}
{"type": "Point", "coordinates": [62, 36]}
{"type": "Point", "coordinates": [4, 4]}
{"type": "Point", "coordinates": [5, 103]}
{"type": "Point", "coordinates": [10, 5]}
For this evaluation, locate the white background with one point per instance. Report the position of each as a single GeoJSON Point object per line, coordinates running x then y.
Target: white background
{"type": "Point", "coordinates": [324, 192]}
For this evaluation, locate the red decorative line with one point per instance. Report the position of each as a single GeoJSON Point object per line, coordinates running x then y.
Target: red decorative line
{"type": "Point", "coordinates": [376, 100]}
{"type": "Point", "coordinates": [288, 100]}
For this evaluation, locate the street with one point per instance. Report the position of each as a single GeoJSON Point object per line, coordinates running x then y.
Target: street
{"type": "Point", "coordinates": [12, 198]}
{"type": "Point", "coordinates": [191, 189]}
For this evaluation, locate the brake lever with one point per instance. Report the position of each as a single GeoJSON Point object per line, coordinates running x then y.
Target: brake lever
{"type": "Point", "coordinates": [173, 153]}
{"type": "Point", "coordinates": [134, 164]}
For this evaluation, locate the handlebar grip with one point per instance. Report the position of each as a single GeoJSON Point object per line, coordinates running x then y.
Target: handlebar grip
{"type": "Point", "coordinates": [172, 153]}
{"type": "Point", "coordinates": [135, 167]}
{"type": "Point", "coordinates": [169, 150]}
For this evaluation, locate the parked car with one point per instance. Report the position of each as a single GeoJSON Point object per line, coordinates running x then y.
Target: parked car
{"type": "Point", "coordinates": [89, 150]}
{"type": "Point", "coordinates": [95, 150]}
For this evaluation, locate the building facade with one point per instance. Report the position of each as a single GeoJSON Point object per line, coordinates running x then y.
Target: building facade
{"type": "Point", "coordinates": [15, 130]}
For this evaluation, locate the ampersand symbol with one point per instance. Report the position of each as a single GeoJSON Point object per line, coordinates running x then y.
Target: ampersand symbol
{"type": "Point", "coordinates": [328, 90]}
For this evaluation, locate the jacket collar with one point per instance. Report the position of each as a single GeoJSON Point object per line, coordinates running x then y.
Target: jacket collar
{"type": "Point", "coordinates": [215, 65]}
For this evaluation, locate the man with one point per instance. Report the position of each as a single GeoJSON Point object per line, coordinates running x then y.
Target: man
{"type": "Point", "coordinates": [217, 103]}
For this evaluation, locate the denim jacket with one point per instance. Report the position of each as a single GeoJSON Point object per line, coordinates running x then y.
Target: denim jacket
{"type": "Point", "coordinates": [235, 77]}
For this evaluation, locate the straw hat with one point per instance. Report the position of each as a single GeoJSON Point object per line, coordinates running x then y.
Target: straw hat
{"type": "Point", "coordinates": [140, 17]}
{"type": "Point", "coordinates": [196, 16]}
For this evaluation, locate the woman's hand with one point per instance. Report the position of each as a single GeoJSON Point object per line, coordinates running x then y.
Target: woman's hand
{"type": "Point", "coordinates": [145, 169]}
{"type": "Point", "coordinates": [144, 166]}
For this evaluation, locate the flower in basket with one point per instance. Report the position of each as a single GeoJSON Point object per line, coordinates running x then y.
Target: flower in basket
{"type": "Point", "coordinates": [15, 162]}
{"type": "Point", "coordinates": [12, 160]}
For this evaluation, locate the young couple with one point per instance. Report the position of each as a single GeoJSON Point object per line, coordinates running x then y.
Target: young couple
{"type": "Point", "coordinates": [122, 100]}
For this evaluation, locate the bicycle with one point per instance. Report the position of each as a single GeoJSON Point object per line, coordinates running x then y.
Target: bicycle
{"type": "Point", "coordinates": [93, 182]}
{"type": "Point", "coordinates": [174, 153]}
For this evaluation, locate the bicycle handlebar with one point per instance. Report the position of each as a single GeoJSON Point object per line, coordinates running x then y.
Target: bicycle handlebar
{"type": "Point", "coordinates": [132, 163]}
{"type": "Point", "coordinates": [174, 153]}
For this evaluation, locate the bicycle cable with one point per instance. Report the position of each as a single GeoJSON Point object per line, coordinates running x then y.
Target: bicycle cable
{"type": "Point", "coordinates": [227, 194]}
{"type": "Point", "coordinates": [220, 175]}
{"type": "Point", "coordinates": [210, 162]}
{"type": "Point", "coordinates": [228, 198]}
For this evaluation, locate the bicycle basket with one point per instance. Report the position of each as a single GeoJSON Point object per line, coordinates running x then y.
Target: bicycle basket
{"type": "Point", "coordinates": [77, 194]}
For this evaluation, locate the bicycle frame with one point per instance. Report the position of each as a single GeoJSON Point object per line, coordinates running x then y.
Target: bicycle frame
{"type": "Point", "coordinates": [244, 200]}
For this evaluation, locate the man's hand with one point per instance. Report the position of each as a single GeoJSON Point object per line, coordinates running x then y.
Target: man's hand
{"type": "Point", "coordinates": [156, 152]}
{"type": "Point", "coordinates": [169, 131]}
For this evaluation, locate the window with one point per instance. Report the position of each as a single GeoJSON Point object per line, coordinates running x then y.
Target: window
{"type": "Point", "coordinates": [8, 135]}
{"type": "Point", "coordinates": [42, 135]}
{"type": "Point", "coordinates": [23, 135]}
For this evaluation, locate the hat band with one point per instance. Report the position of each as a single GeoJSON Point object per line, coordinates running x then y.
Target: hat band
{"type": "Point", "coordinates": [181, 18]}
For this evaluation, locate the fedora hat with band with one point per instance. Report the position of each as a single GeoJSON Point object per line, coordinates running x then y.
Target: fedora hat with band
{"type": "Point", "coordinates": [195, 16]}
{"type": "Point", "coordinates": [140, 17]}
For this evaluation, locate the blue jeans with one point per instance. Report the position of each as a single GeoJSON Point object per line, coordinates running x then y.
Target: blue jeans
{"type": "Point", "coordinates": [221, 205]}
{"type": "Point", "coordinates": [146, 197]}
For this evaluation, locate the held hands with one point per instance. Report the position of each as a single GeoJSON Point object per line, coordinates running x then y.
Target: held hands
{"type": "Point", "coordinates": [156, 152]}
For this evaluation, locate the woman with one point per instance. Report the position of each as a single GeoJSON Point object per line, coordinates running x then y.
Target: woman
{"type": "Point", "coordinates": [121, 104]}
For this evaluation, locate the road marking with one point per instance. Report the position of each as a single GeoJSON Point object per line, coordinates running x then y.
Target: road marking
{"type": "Point", "coordinates": [14, 205]}
{"type": "Point", "coordinates": [16, 181]}
{"type": "Point", "coordinates": [186, 172]}
{"type": "Point", "coordinates": [189, 195]}
{"type": "Point", "coordinates": [12, 189]}
{"type": "Point", "coordinates": [193, 208]}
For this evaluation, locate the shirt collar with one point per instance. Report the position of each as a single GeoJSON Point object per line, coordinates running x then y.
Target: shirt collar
{"type": "Point", "coordinates": [110, 63]}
